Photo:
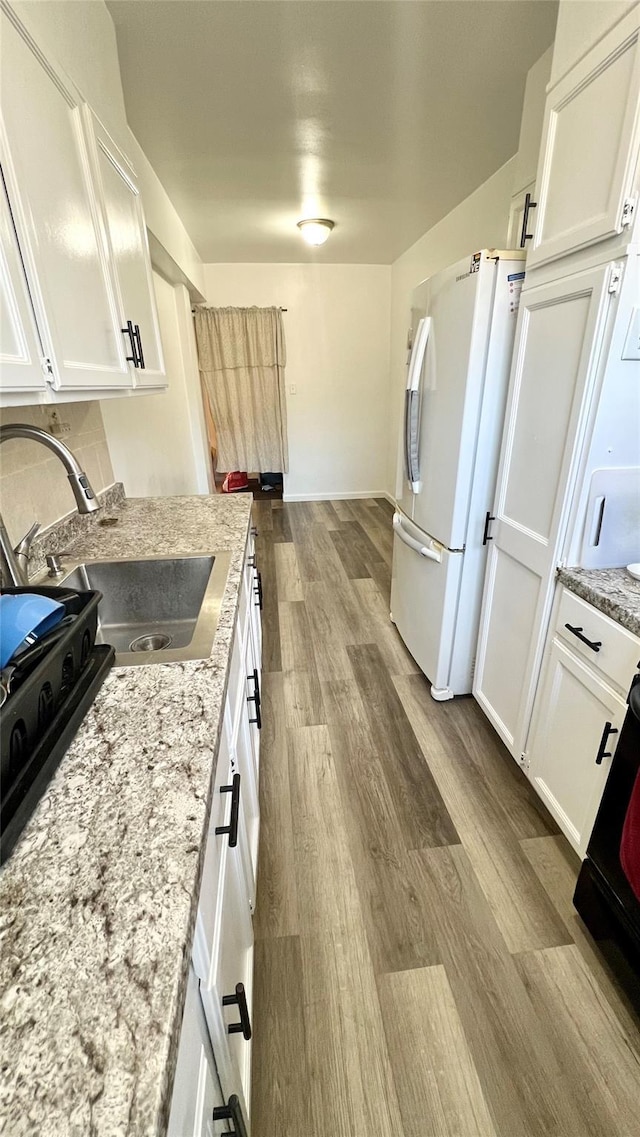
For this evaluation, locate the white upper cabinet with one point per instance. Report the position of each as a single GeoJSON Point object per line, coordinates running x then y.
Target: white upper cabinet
{"type": "Point", "coordinates": [561, 331]}
{"type": "Point", "coordinates": [526, 162]}
{"type": "Point", "coordinates": [129, 251]}
{"type": "Point", "coordinates": [522, 212]}
{"type": "Point", "coordinates": [588, 168]}
{"type": "Point", "coordinates": [45, 139]}
{"type": "Point", "coordinates": [21, 353]}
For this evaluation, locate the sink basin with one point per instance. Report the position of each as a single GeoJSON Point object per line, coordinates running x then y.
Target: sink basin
{"type": "Point", "coordinates": [156, 609]}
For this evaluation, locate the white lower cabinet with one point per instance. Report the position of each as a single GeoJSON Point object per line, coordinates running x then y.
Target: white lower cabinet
{"type": "Point", "coordinates": [222, 959]}
{"type": "Point", "coordinates": [197, 1092]}
{"type": "Point", "coordinates": [570, 756]}
{"type": "Point", "coordinates": [579, 709]}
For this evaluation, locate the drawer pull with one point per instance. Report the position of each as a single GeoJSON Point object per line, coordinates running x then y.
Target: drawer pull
{"type": "Point", "coordinates": [141, 363]}
{"type": "Point", "coordinates": [232, 827]}
{"type": "Point", "coordinates": [251, 561]}
{"type": "Point", "coordinates": [232, 1111]}
{"type": "Point", "coordinates": [254, 530]}
{"type": "Point", "coordinates": [528, 206]}
{"type": "Point", "coordinates": [486, 536]}
{"type": "Point", "coordinates": [255, 698]}
{"type": "Point", "coordinates": [239, 1000]}
{"type": "Point", "coordinates": [257, 589]}
{"type": "Point", "coordinates": [606, 735]}
{"type": "Point", "coordinates": [130, 332]}
{"type": "Point", "coordinates": [595, 645]}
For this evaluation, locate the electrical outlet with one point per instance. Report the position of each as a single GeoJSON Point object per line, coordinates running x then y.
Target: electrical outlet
{"type": "Point", "coordinates": [631, 349]}
{"type": "Point", "coordinates": [56, 426]}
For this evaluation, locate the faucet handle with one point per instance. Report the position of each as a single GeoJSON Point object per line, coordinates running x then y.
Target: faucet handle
{"type": "Point", "coordinates": [23, 547]}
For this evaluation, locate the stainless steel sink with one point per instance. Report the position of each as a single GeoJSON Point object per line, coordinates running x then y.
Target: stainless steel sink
{"type": "Point", "coordinates": [156, 609]}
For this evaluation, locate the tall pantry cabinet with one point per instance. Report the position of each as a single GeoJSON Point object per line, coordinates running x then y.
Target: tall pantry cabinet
{"type": "Point", "coordinates": [580, 286]}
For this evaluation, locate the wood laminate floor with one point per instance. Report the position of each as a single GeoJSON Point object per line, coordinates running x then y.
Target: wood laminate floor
{"type": "Point", "coordinates": [419, 968]}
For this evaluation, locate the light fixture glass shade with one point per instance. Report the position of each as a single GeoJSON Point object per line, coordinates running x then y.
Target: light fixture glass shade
{"type": "Point", "coordinates": [315, 230]}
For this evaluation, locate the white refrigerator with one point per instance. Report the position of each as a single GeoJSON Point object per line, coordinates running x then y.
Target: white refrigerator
{"type": "Point", "coordinates": [463, 324]}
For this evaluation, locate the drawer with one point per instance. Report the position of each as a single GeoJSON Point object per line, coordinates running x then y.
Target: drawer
{"type": "Point", "coordinates": [615, 651]}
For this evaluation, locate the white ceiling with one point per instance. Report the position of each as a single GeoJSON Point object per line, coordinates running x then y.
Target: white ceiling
{"type": "Point", "coordinates": [380, 115]}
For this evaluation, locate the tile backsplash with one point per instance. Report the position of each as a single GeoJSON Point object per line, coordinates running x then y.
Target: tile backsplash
{"type": "Point", "coordinates": [33, 483]}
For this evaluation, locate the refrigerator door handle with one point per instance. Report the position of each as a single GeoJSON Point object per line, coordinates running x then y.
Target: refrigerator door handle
{"type": "Point", "coordinates": [412, 405]}
{"type": "Point", "coordinates": [424, 551]}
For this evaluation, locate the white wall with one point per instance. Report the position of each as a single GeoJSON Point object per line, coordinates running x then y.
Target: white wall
{"type": "Point", "coordinates": [337, 335]}
{"type": "Point", "coordinates": [581, 23]}
{"type": "Point", "coordinates": [158, 442]}
{"type": "Point", "coordinates": [480, 221]}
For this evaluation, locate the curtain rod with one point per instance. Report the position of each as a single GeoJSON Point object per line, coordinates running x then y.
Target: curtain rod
{"type": "Point", "coordinates": [194, 310]}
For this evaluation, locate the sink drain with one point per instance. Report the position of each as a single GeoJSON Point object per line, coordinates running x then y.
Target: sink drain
{"type": "Point", "coordinates": [154, 642]}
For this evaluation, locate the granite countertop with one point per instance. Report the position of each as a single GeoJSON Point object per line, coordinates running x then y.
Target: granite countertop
{"type": "Point", "coordinates": [613, 591]}
{"type": "Point", "coordinates": [98, 900]}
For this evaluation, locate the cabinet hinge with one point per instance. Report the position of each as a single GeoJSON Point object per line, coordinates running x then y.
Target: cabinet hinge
{"type": "Point", "coordinates": [615, 278]}
{"type": "Point", "coordinates": [628, 210]}
{"type": "Point", "coordinates": [47, 369]}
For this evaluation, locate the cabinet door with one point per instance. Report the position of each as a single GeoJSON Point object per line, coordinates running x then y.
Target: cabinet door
{"type": "Point", "coordinates": [42, 119]}
{"type": "Point", "coordinates": [561, 327]}
{"type": "Point", "coordinates": [21, 352]}
{"type": "Point", "coordinates": [589, 152]}
{"type": "Point", "coordinates": [576, 713]}
{"type": "Point", "coordinates": [129, 248]}
{"type": "Point", "coordinates": [196, 1089]}
{"type": "Point", "coordinates": [232, 965]}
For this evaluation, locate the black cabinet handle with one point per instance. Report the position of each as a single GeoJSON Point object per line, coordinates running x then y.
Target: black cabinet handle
{"type": "Point", "coordinates": [239, 1000]}
{"type": "Point", "coordinates": [528, 205]}
{"type": "Point", "coordinates": [254, 530]}
{"type": "Point", "coordinates": [595, 645]}
{"type": "Point", "coordinates": [255, 698]}
{"type": "Point", "coordinates": [141, 363]}
{"type": "Point", "coordinates": [257, 589]}
{"type": "Point", "coordinates": [487, 522]}
{"type": "Point", "coordinates": [606, 735]}
{"type": "Point", "coordinates": [129, 331]}
{"type": "Point", "coordinates": [232, 1111]}
{"type": "Point", "coordinates": [232, 827]}
{"type": "Point", "coordinates": [251, 561]}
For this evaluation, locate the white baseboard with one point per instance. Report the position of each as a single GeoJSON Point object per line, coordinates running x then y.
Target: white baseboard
{"type": "Point", "coordinates": [336, 496]}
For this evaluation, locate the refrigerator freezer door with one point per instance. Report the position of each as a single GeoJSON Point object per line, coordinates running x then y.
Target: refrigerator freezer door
{"type": "Point", "coordinates": [460, 306]}
{"type": "Point", "coordinates": [424, 602]}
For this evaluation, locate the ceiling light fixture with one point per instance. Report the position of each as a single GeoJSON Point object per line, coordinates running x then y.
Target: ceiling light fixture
{"type": "Point", "coordinates": [315, 230]}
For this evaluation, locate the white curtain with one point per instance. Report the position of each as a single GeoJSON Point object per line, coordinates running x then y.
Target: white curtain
{"type": "Point", "coordinates": [242, 357]}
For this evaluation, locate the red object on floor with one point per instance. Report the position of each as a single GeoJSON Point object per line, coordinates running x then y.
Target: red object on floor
{"type": "Point", "coordinates": [236, 480]}
{"type": "Point", "coordinates": [630, 843]}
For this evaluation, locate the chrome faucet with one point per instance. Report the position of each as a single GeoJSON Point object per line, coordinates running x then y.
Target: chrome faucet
{"type": "Point", "coordinates": [14, 563]}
